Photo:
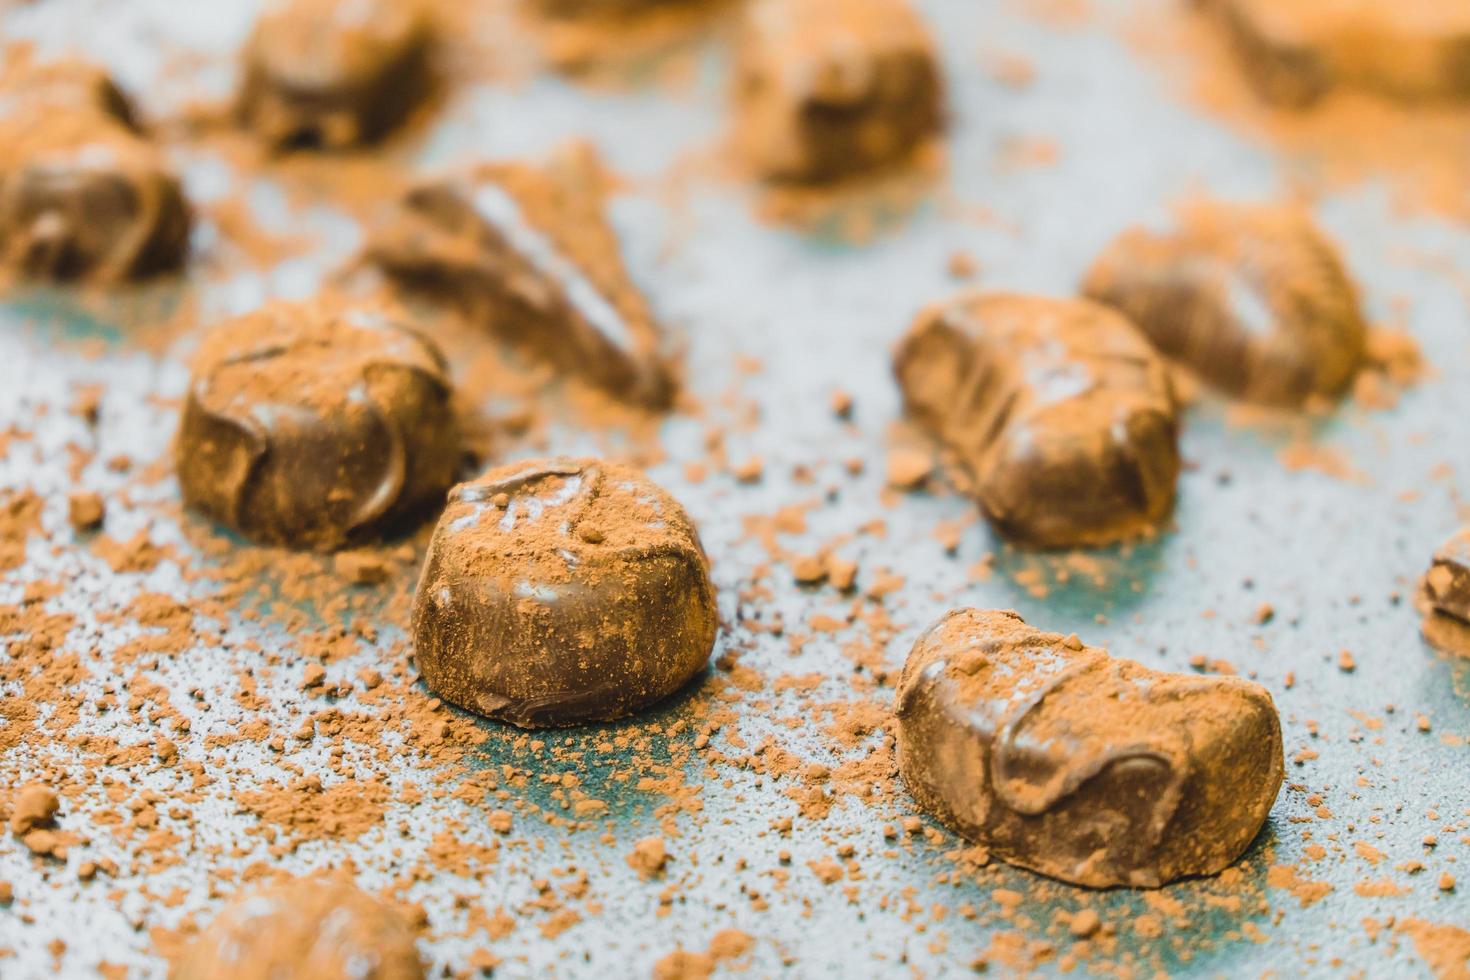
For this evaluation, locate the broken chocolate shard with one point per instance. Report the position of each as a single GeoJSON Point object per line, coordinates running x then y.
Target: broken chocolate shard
{"type": "Point", "coordinates": [1083, 767]}
{"type": "Point", "coordinates": [1060, 414]}
{"type": "Point", "coordinates": [826, 89]}
{"type": "Point", "coordinates": [1295, 51]}
{"type": "Point", "coordinates": [331, 74]}
{"type": "Point", "coordinates": [309, 426]}
{"type": "Point", "coordinates": [82, 194]}
{"type": "Point", "coordinates": [561, 591]}
{"type": "Point", "coordinates": [1253, 299]}
{"type": "Point", "coordinates": [307, 928]}
{"type": "Point", "coordinates": [528, 251]}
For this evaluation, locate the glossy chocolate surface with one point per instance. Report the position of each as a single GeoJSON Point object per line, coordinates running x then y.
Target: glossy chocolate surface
{"type": "Point", "coordinates": [563, 590]}
{"type": "Point", "coordinates": [1255, 300]}
{"type": "Point", "coordinates": [1083, 767]}
{"type": "Point", "coordinates": [1060, 415]}
{"type": "Point", "coordinates": [307, 426]}
{"type": "Point", "coordinates": [830, 88]}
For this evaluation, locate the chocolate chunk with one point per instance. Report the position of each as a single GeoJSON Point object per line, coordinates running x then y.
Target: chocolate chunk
{"type": "Point", "coordinates": [1061, 416]}
{"type": "Point", "coordinates": [829, 88]}
{"type": "Point", "coordinates": [1091, 769]}
{"type": "Point", "coordinates": [528, 251]}
{"type": "Point", "coordinates": [330, 74]}
{"type": "Point", "coordinates": [561, 591]}
{"type": "Point", "coordinates": [1253, 299]}
{"type": "Point", "coordinates": [1444, 596]}
{"type": "Point", "coordinates": [82, 194]}
{"type": "Point", "coordinates": [1297, 50]}
{"type": "Point", "coordinates": [305, 928]}
{"type": "Point", "coordinates": [309, 426]}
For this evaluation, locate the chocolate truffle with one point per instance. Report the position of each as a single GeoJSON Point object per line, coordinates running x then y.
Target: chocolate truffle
{"type": "Point", "coordinates": [82, 193]}
{"type": "Point", "coordinates": [1253, 299]}
{"type": "Point", "coordinates": [528, 251]}
{"type": "Point", "coordinates": [1090, 769]}
{"type": "Point", "coordinates": [1060, 415]}
{"type": "Point", "coordinates": [305, 928]}
{"type": "Point", "coordinates": [1296, 50]}
{"type": "Point", "coordinates": [331, 74]}
{"type": "Point", "coordinates": [561, 591]}
{"type": "Point", "coordinates": [310, 426]}
{"type": "Point", "coordinates": [829, 88]}
{"type": "Point", "coordinates": [1444, 596]}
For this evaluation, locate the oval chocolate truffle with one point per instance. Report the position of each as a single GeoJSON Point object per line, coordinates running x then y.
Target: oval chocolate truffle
{"type": "Point", "coordinates": [560, 591]}
{"type": "Point", "coordinates": [1295, 51]}
{"type": "Point", "coordinates": [309, 426]}
{"type": "Point", "coordinates": [1060, 414]}
{"type": "Point", "coordinates": [334, 73]}
{"type": "Point", "coordinates": [81, 192]}
{"type": "Point", "coordinates": [1253, 299]}
{"type": "Point", "coordinates": [825, 89]}
{"type": "Point", "coordinates": [1091, 769]}
{"type": "Point", "coordinates": [307, 928]}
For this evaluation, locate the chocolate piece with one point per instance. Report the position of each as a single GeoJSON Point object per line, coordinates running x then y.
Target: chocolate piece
{"type": "Point", "coordinates": [1444, 596]}
{"type": "Point", "coordinates": [829, 88]}
{"type": "Point", "coordinates": [1060, 414]}
{"type": "Point", "coordinates": [561, 591]}
{"type": "Point", "coordinates": [308, 426]}
{"type": "Point", "coordinates": [1296, 50]}
{"type": "Point", "coordinates": [1253, 299]}
{"type": "Point", "coordinates": [528, 251]}
{"type": "Point", "coordinates": [82, 194]}
{"type": "Point", "coordinates": [309, 929]}
{"type": "Point", "coordinates": [1091, 769]}
{"type": "Point", "coordinates": [331, 74]}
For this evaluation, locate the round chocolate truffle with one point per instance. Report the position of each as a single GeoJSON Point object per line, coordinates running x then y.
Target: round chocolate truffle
{"type": "Point", "coordinates": [305, 928]}
{"type": "Point", "coordinates": [335, 73]}
{"type": "Point", "coordinates": [81, 192]}
{"type": "Point", "coordinates": [308, 426]}
{"type": "Point", "coordinates": [560, 591]}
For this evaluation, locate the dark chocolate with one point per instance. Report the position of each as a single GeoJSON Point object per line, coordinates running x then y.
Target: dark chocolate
{"type": "Point", "coordinates": [1255, 300]}
{"type": "Point", "coordinates": [1069, 762]}
{"type": "Point", "coordinates": [826, 89]}
{"type": "Point", "coordinates": [82, 193]}
{"type": "Point", "coordinates": [561, 591]}
{"type": "Point", "coordinates": [308, 426]}
{"type": "Point", "coordinates": [1295, 51]}
{"type": "Point", "coordinates": [330, 74]}
{"type": "Point", "coordinates": [1059, 413]}
{"type": "Point", "coordinates": [528, 252]}
{"type": "Point", "coordinates": [304, 929]}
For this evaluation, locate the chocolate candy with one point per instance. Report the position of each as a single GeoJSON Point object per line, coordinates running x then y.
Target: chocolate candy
{"type": "Point", "coordinates": [1253, 299]}
{"type": "Point", "coordinates": [303, 928]}
{"type": "Point", "coordinates": [1296, 50]}
{"type": "Point", "coordinates": [528, 252]}
{"type": "Point", "coordinates": [331, 74]}
{"type": "Point", "coordinates": [829, 88]}
{"type": "Point", "coordinates": [1094, 770]}
{"type": "Point", "coordinates": [559, 591]}
{"type": "Point", "coordinates": [1444, 596]}
{"type": "Point", "coordinates": [82, 193]}
{"type": "Point", "coordinates": [310, 426]}
{"type": "Point", "coordinates": [1061, 417]}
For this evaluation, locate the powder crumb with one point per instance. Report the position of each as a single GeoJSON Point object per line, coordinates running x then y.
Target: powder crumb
{"type": "Point", "coordinates": [750, 471]}
{"type": "Point", "coordinates": [648, 857]}
{"type": "Point", "coordinates": [1085, 923]}
{"type": "Point", "coordinates": [362, 567]}
{"type": "Point", "coordinates": [500, 821]}
{"type": "Point", "coordinates": [841, 403]}
{"type": "Point", "coordinates": [85, 510]}
{"type": "Point", "coordinates": [1446, 882]}
{"type": "Point", "coordinates": [35, 806]}
{"type": "Point", "coordinates": [808, 569]}
{"type": "Point", "coordinates": [1345, 661]}
{"type": "Point", "coordinates": [908, 468]}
